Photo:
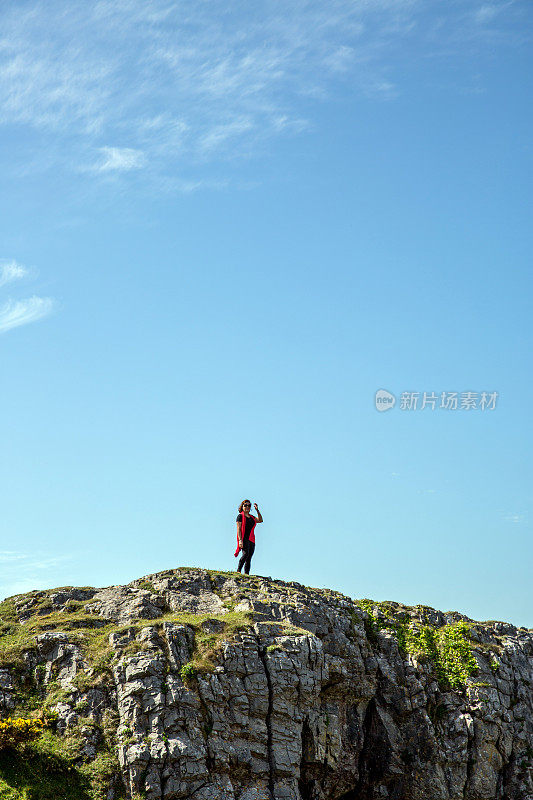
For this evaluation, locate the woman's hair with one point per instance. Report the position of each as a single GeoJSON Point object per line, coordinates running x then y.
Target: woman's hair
{"type": "Point", "coordinates": [239, 510]}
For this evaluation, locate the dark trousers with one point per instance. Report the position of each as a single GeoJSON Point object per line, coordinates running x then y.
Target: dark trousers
{"type": "Point", "coordinates": [247, 553]}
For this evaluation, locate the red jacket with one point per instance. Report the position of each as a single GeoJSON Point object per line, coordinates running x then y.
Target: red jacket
{"type": "Point", "coordinates": [243, 528]}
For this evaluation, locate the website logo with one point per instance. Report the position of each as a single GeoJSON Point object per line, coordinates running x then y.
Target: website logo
{"type": "Point", "coordinates": [384, 400]}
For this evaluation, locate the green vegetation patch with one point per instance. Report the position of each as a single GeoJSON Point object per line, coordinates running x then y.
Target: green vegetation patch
{"type": "Point", "coordinates": [148, 586]}
{"type": "Point", "coordinates": [100, 773]}
{"type": "Point", "coordinates": [188, 673]}
{"type": "Point", "coordinates": [18, 730]}
{"type": "Point", "coordinates": [448, 649]}
{"type": "Point", "coordinates": [8, 612]}
{"type": "Point", "coordinates": [31, 775]}
{"type": "Point", "coordinates": [16, 638]}
{"type": "Point", "coordinates": [274, 648]}
{"type": "Point", "coordinates": [208, 644]}
{"type": "Point", "coordinates": [51, 769]}
{"type": "Point", "coordinates": [91, 633]}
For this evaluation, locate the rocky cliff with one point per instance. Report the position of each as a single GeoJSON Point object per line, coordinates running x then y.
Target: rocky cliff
{"type": "Point", "coordinates": [215, 686]}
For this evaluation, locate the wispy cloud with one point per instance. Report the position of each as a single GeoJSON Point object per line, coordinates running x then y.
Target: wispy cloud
{"type": "Point", "coordinates": [7, 556]}
{"type": "Point", "coordinates": [165, 87]}
{"type": "Point", "coordinates": [487, 12]}
{"type": "Point", "coordinates": [14, 313]}
{"type": "Point", "coordinates": [220, 134]}
{"type": "Point", "coordinates": [22, 571]}
{"type": "Point", "coordinates": [120, 159]}
{"type": "Point", "coordinates": [514, 516]}
{"type": "Point", "coordinates": [21, 312]}
{"type": "Point", "coordinates": [31, 561]}
{"type": "Point", "coordinates": [11, 271]}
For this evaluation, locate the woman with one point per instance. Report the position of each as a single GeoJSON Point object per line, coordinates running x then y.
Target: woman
{"type": "Point", "coordinates": [246, 523]}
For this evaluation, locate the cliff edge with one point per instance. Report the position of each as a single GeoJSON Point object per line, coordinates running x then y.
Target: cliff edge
{"type": "Point", "coordinates": [197, 684]}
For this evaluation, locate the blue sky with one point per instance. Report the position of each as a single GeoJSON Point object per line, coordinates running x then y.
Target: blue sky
{"type": "Point", "coordinates": [224, 227]}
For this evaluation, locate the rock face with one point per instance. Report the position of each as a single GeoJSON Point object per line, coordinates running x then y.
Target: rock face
{"type": "Point", "coordinates": [222, 687]}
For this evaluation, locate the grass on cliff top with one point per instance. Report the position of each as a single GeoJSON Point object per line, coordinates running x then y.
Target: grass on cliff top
{"type": "Point", "coordinates": [17, 637]}
{"type": "Point", "coordinates": [100, 652]}
{"type": "Point", "coordinates": [448, 649]}
{"type": "Point", "coordinates": [92, 633]}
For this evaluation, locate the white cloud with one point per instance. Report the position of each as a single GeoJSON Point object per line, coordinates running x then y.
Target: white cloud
{"type": "Point", "coordinates": [11, 271]}
{"type": "Point", "coordinates": [381, 89]}
{"type": "Point", "coordinates": [21, 312]}
{"type": "Point", "coordinates": [514, 516]}
{"type": "Point", "coordinates": [486, 13]}
{"type": "Point", "coordinates": [120, 159]}
{"type": "Point", "coordinates": [11, 555]}
{"type": "Point", "coordinates": [99, 70]}
{"type": "Point", "coordinates": [220, 134]}
{"type": "Point", "coordinates": [30, 560]}
{"type": "Point", "coordinates": [181, 82]}
{"type": "Point", "coordinates": [340, 59]}
{"type": "Point", "coordinates": [22, 572]}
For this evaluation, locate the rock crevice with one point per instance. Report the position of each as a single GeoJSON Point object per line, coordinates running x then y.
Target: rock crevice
{"type": "Point", "coordinates": [262, 650]}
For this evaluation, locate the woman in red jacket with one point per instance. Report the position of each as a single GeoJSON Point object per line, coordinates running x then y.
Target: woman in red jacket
{"type": "Point", "coordinates": [246, 523]}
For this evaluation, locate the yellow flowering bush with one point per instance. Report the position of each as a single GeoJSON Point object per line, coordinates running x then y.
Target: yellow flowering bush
{"type": "Point", "coordinates": [18, 731]}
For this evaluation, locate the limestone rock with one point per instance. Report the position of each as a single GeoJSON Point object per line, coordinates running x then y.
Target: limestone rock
{"type": "Point", "coordinates": [215, 686]}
